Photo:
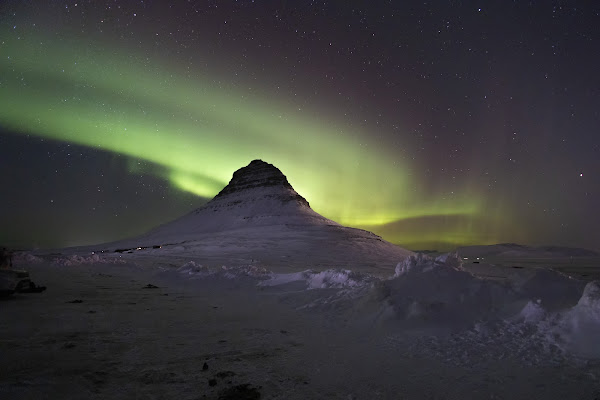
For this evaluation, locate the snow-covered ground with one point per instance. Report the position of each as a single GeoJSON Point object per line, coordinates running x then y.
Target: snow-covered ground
{"type": "Point", "coordinates": [430, 329]}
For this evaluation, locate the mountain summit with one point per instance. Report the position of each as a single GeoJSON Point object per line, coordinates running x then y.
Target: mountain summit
{"type": "Point", "coordinates": [257, 195]}
{"type": "Point", "coordinates": [258, 176]}
{"type": "Point", "coordinates": [259, 218]}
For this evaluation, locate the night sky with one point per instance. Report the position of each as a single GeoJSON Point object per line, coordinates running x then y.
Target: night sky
{"type": "Point", "coordinates": [434, 124]}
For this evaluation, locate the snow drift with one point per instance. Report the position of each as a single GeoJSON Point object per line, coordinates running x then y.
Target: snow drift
{"type": "Point", "coordinates": [328, 279]}
{"type": "Point", "coordinates": [437, 292]}
{"type": "Point", "coordinates": [543, 309]}
{"type": "Point", "coordinates": [577, 330]}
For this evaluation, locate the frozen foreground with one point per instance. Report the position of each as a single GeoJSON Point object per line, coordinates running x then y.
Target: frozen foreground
{"type": "Point", "coordinates": [128, 328]}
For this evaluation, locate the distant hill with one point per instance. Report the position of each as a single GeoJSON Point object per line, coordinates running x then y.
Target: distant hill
{"type": "Point", "coordinates": [514, 250]}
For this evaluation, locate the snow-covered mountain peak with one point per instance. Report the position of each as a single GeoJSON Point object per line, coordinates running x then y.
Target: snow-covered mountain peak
{"type": "Point", "coordinates": [258, 194]}
{"type": "Point", "coordinates": [258, 182]}
{"type": "Point", "coordinates": [260, 190]}
{"type": "Point", "coordinates": [259, 178]}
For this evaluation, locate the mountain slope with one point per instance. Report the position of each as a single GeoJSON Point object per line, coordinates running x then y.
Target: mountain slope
{"type": "Point", "coordinates": [257, 195]}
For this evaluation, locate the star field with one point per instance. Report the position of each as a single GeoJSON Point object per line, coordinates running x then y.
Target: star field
{"type": "Point", "coordinates": [432, 124]}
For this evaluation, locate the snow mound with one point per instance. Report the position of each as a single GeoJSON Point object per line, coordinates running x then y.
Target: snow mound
{"type": "Point", "coordinates": [328, 279]}
{"type": "Point", "coordinates": [423, 263]}
{"type": "Point", "coordinates": [578, 329]}
{"type": "Point", "coordinates": [335, 279]}
{"type": "Point", "coordinates": [542, 311]}
{"type": "Point", "coordinates": [553, 290]}
{"type": "Point", "coordinates": [194, 270]}
{"type": "Point", "coordinates": [532, 312]}
{"type": "Point", "coordinates": [534, 336]}
{"type": "Point", "coordinates": [590, 300]}
{"type": "Point", "coordinates": [438, 292]}
{"type": "Point", "coordinates": [537, 333]}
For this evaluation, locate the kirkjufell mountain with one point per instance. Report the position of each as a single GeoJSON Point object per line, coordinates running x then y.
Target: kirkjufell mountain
{"type": "Point", "coordinates": [259, 218]}
{"type": "Point", "coordinates": [257, 195]}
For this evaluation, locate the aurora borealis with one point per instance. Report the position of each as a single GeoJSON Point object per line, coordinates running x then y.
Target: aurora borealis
{"type": "Point", "coordinates": [432, 126]}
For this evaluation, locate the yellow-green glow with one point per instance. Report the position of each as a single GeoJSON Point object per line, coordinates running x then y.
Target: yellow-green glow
{"type": "Point", "coordinates": [194, 184]}
{"type": "Point", "coordinates": [199, 132]}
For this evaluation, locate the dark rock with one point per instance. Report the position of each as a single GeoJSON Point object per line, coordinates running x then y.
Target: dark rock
{"type": "Point", "coordinates": [150, 286]}
{"type": "Point", "coordinates": [259, 174]}
{"type": "Point", "coordinates": [212, 382]}
{"type": "Point", "coordinates": [76, 301]}
{"type": "Point", "coordinates": [205, 367]}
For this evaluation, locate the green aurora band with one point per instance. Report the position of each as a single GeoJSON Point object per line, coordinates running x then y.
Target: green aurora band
{"type": "Point", "coordinates": [198, 132]}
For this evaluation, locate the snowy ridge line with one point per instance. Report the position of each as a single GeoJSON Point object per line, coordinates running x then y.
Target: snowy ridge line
{"type": "Point", "coordinates": [328, 279]}
{"type": "Point", "coordinates": [24, 258]}
{"type": "Point", "coordinates": [194, 270]}
{"type": "Point", "coordinates": [80, 260]}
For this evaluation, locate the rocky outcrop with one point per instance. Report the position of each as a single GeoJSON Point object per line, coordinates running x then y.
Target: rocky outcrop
{"type": "Point", "coordinates": [256, 176]}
